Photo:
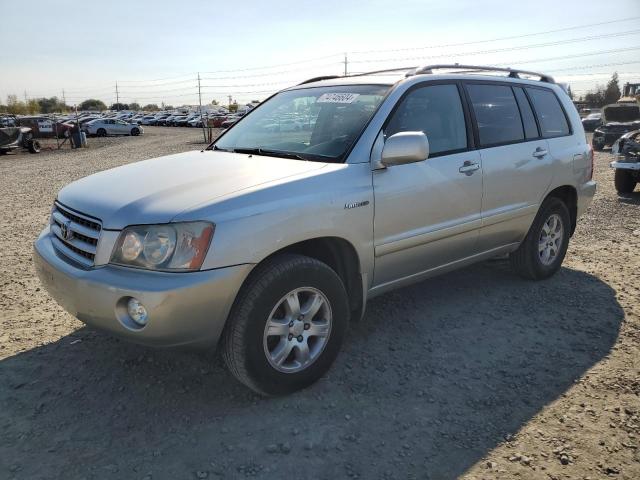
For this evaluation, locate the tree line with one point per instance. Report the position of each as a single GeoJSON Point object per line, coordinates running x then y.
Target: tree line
{"type": "Point", "coordinates": [15, 106]}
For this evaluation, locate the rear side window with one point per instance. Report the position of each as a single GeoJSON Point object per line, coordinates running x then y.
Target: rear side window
{"type": "Point", "coordinates": [528, 120]}
{"type": "Point", "coordinates": [497, 114]}
{"type": "Point", "coordinates": [435, 110]}
{"type": "Point", "coordinates": [553, 123]}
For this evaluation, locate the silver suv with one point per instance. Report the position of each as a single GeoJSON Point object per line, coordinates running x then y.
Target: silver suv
{"type": "Point", "coordinates": [331, 192]}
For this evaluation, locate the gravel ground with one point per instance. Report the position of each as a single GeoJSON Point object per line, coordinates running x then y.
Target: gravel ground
{"type": "Point", "coordinates": [477, 374]}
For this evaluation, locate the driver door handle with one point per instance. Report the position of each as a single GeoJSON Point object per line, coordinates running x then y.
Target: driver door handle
{"type": "Point", "coordinates": [468, 167]}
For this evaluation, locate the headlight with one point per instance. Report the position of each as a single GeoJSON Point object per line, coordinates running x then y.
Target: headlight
{"type": "Point", "coordinates": [173, 246]}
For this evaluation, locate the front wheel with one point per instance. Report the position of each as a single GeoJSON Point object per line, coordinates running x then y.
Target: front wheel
{"type": "Point", "coordinates": [624, 180]}
{"type": "Point", "coordinates": [597, 146]}
{"type": "Point", "coordinates": [33, 146]}
{"type": "Point", "coordinates": [101, 132]}
{"type": "Point", "coordinates": [541, 253]}
{"type": "Point", "coordinates": [287, 325]}
{"type": "Point", "coordinates": [135, 132]}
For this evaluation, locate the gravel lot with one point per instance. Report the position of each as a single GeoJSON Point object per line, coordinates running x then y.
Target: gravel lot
{"type": "Point", "coordinates": [477, 374]}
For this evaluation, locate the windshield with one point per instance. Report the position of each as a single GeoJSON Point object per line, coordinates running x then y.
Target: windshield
{"type": "Point", "coordinates": [317, 123]}
{"type": "Point", "coordinates": [594, 116]}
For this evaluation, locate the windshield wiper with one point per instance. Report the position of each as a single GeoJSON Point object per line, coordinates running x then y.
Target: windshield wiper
{"type": "Point", "coordinates": [269, 153]}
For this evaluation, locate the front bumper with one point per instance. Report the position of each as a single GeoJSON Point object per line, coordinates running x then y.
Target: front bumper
{"type": "Point", "coordinates": [622, 165]}
{"type": "Point", "coordinates": [184, 308]}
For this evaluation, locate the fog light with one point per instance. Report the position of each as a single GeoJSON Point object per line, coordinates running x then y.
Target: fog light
{"type": "Point", "coordinates": [137, 312]}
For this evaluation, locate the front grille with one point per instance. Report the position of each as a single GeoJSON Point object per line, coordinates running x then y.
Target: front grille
{"type": "Point", "coordinates": [82, 234]}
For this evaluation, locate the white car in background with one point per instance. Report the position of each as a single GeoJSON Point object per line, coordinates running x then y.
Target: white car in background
{"type": "Point", "coordinates": [112, 126]}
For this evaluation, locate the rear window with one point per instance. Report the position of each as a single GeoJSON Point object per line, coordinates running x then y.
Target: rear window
{"type": "Point", "coordinates": [497, 114]}
{"type": "Point", "coordinates": [553, 122]}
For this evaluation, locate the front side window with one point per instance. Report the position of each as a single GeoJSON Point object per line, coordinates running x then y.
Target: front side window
{"type": "Point", "coordinates": [553, 123]}
{"type": "Point", "coordinates": [316, 123]}
{"type": "Point", "coordinates": [435, 110]}
{"type": "Point", "coordinates": [497, 114]}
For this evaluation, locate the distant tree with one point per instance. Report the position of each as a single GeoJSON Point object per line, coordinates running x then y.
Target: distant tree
{"type": "Point", "coordinates": [134, 106]}
{"type": "Point", "coordinates": [33, 106]}
{"type": "Point", "coordinates": [214, 102]}
{"type": "Point", "coordinates": [233, 107]}
{"type": "Point", "coordinates": [14, 106]}
{"type": "Point", "coordinates": [119, 106]}
{"type": "Point", "coordinates": [167, 107]}
{"type": "Point", "coordinates": [51, 105]}
{"type": "Point", "coordinates": [595, 98]}
{"type": "Point", "coordinates": [569, 92]}
{"type": "Point", "coordinates": [612, 92]}
{"type": "Point", "coordinates": [92, 104]}
{"type": "Point", "coordinates": [151, 107]}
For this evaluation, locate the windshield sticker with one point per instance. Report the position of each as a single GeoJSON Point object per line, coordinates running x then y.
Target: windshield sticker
{"type": "Point", "coordinates": [337, 97]}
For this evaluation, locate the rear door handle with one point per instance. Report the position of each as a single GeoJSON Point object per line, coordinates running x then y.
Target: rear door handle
{"type": "Point", "coordinates": [469, 167]}
{"type": "Point", "coordinates": [539, 152]}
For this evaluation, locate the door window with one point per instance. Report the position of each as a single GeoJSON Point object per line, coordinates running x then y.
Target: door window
{"type": "Point", "coordinates": [435, 110]}
{"type": "Point", "coordinates": [497, 114]}
{"type": "Point", "coordinates": [553, 122]}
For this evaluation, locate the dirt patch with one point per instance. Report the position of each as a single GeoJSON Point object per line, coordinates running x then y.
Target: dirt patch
{"type": "Point", "coordinates": [477, 374]}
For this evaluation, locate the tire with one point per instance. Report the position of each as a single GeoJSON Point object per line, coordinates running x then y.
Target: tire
{"type": "Point", "coordinates": [597, 146]}
{"type": "Point", "coordinates": [135, 132]}
{"type": "Point", "coordinates": [34, 146]}
{"type": "Point", "coordinates": [624, 180]}
{"type": "Point", "coordinates": [248, 351]}
{"type": "Point", "coordinates": [101, 132]}
{"type": "Point", "coordinates": [528, 261]}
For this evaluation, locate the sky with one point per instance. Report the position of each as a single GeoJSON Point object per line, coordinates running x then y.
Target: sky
{"type": "Point", "coordinates": [154, 50]}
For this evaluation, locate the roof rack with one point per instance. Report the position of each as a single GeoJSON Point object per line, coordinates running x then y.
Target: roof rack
{"type": "Point", "coordinates": [318, 79]}
{"type": "Point", "coordinates": [513, 73]}
{"type": "Point", "coordinates": [428, 69]}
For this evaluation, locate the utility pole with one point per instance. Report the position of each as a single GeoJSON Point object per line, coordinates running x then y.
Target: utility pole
{"type": "Point", "coordinates": [229, 102]}
{"type": "Point", "coordinates": [25, 96]}
{"type": "Point", "coordinates": [117, 97]}
{"type": "Point", "coordinates": [64, 99]}
{"type": "Point", "coordinates": [204, 133]}
{"type": "Point", "coordinates": [346, 62]}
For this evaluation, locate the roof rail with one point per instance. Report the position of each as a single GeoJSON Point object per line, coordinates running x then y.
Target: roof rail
{"type": "Point", "coordinates": [318, 79]}
{"type": "Point", "coordinates": [513, 73]}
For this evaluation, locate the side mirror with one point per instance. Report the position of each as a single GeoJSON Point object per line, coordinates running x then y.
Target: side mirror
{"type": "Point", "coordinates": [405, 147]}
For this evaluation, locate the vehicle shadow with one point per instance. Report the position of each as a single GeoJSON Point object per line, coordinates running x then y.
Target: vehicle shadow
{"type": "Point", "coordinates": [630, 198]}
{"type": "Point", "coordinates": [435, 377]}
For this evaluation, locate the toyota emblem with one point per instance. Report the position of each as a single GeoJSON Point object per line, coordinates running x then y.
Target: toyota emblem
{"type": "Point", "coordinates": [65, 231]}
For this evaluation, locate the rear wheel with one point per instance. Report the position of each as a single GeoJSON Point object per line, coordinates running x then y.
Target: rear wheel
{"type": "Point", "coordinates": [287, 325]}
{"type": "Point", "coordinates": [33, 146]}
{"type": "Point", "coordinates": [624, 180]}
{"type": "Point", "coordinates": [597, 146]}
{"type": "Point", "coordinates": [101, 132]}
{"type": "Point", "coordinates": [541, 253]}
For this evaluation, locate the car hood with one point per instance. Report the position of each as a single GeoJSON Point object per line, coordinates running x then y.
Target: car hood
{"type": "Point", "coordinates": [157, 190]}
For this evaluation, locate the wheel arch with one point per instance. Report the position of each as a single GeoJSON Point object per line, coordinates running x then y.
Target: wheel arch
{"type": "Point", "coordinates": [569, 196]}
{"type": "Point", "coordinates": [341, 256]}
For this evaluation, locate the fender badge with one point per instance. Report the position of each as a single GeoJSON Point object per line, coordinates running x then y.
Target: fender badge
{"type": "Point", "coordinates": [349, 206]}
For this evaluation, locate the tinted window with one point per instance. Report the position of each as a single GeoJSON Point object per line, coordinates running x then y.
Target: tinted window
{"type": "Point", "coordinates": [497, 114]}
{"type": "Point", "coordinates": [553, 123]}
{"type": "Point", "coordinates": [528, 120]}
{"type": "Point", "coordinates": [435, 110]}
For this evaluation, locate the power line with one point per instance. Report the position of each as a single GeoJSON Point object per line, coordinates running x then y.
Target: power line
{"type": "Point", "coordinates": [506, 49]}
{"type": "Point", "coordinates": [513, 37]}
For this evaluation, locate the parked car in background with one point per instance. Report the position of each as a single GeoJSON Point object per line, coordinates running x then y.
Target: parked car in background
{"type": "Point", "coordinates": [147, 120]}
{"type": "Point", "coordinates": [627, 162]}
{"type": "Point", "coordinates": [13, 138]}
{"type": "Point", "coordinates": [112, 126]}
{"type": "Point", "coordinates": [266, 243]}
{"type": "Point", "coordinates": [45, 127]}
{"type": "Point", "coordinates": [591, 121]}
{"type": "Point", "coordinates": [617, 119]}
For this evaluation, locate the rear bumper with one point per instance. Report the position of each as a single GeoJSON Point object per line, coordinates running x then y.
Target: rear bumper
{"type": "Point", "coordinates": [586, 193]}
{"type": "Point", "coordinates": [184, 308]}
